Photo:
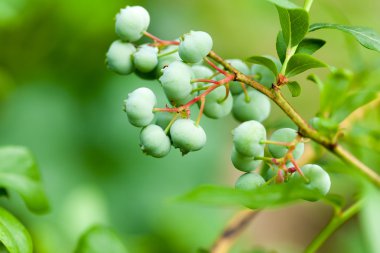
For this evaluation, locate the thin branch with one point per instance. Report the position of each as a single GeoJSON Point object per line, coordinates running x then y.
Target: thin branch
{"type": "Point", "coordinates": [338, 220]}
{"type": "Point", "coordinates": [304, 129]}
{"type": "Point", "coordinates": [236, 226]}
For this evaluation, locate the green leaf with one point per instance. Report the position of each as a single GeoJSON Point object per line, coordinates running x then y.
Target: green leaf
{"type": "Point", "coordinates": [326, 126]}
{"type": "Point", "coordinates": [365, 36]}
{"type": "Point", "coordinates": [300, 63]}
{"type": "Point", "coordinates": [309, 46]}
{"type": "Point", "coordinates": [281, 46]}
{"type": "Point", "coordinates": [265, 61]}
{"type": "Point", "coordinates": [294, 21]}
{"type": "Point", "coordinates": [294, 88]}
{"type": "Point", "coordinates": [100, 239]}
{"type": "Point", "coordinates": [13, 234]}
{"type": "Point", "coordinates": [18, 171]}
{"type": "Point", "coordinates": [351, 103]}
{"type": "Point", "coordinates": [263, 197]}
{"type": "Point", "coordinates": [285, 4]}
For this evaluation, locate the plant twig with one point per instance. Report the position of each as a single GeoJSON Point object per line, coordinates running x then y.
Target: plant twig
{"type": "Point", "coordinates": [236, 226]}
{"type": "Point", "coordinates": [304, 129]}
{"type": "Point", "coordinates": [332, 226]}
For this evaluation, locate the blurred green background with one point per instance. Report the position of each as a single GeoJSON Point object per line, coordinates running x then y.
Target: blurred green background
{"type": "Point", "coordinates": [58, 99]}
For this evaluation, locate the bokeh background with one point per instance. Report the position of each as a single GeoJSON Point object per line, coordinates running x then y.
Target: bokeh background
{"type": "Point", "coordinates": [58, 99]}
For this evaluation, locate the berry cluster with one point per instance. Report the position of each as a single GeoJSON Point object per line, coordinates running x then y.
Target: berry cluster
{"type": "Point", "coordinates": [189, 77]}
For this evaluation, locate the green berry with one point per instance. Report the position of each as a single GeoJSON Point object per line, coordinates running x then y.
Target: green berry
{"type": "Point", "coordinates": [235, 87]}
{"type": "Point", "coordinates": [319, 179]}
{"type": "Point", "coordinates": [263, 75]}
{"type": "Point", "coordinates": [119, 57]}
{"type": "Point", "coordinates": [139, 106]}
{"type": "Point", "coordinates": [145, 58]}
{"type": "Point", "coordinates": [200, 71]}
{"type": "Point", "coordinates": [249, 182]}
{"type": "Point", "coordinates": [285, 135]}
{"type": "Point", "coordinates": [216, 106]}
{"type": "Point", "coordinates": [131, 23]}
{"type": "Point", "coordinates": [194, 46]}
{"type": "Point", "coordinates": [257, 107]}
{"type": "Point", "coordinates": [167, 59]}
{"type": "Point", "coordinates": [154, 141]}
{"type": "Point", "coordinates": [187, 136]}
{"type": "Point", "coordinates": [247, 137]}
{"type": "Point", "coordinates": [245, 163]}
{"type": "Point", "coordinates": [176, 80]}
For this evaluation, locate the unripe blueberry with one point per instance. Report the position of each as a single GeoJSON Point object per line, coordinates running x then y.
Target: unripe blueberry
{"type": "Point", "coordinates": [194, 46]}
{"type": "Point", "coordinates": [154, 141]}
{"type": "Point", "coordinates": [235, 87]}
{"type": "Point", "coordinates": [200, 71]}
{"type": "Point", "coordinates": [139, 106]}
{"type": "Point", "coordinates": [176, 80]}
{"type": "Point", "coordinates": [319, 179]}
{"type": "Point", "coordinates": [216, 106]}
{"type": "Point", "coordinates": [187, 136]}
{"type": "Point", "coordinates": [285, 135]}
{"type": "Point", "coordinates": [145, 58]}
{"type": "Point", "coordinates": [131, 23]}
{"type": "Point", "coordinates": [257, 108]}
{"type": "Point", "coordinates": [263, 75]}
{"type": "Point", "coordinates": [245, 163]}
{"type": "Point", "coordinates": [166, 59]}
{"type": "Point", "coordinates": [119, 57]}
{"type": "Point", "coordinates": [247, 137]}
{"type": "Point", "coordinates": [249, 181]}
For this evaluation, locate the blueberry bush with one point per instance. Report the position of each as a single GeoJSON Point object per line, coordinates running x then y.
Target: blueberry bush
{"type": "Point", "coordinates": [278, 165]}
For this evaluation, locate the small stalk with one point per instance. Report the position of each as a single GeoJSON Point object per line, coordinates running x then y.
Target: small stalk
{"type": "Point", "coordinates": [203, 100]}
{"type": "Point", "coordinates": [167, 53]}
{"type": "Point", "coordinates": [171, 123]}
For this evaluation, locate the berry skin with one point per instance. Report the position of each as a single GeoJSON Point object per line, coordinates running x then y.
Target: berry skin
{"type": "Point", "coordinates": [216, 106]}
{"type": "Point", "coordinates": [285, 135]}
{"type": "Point", "coordinates": [176, 80]}
{"type": "Point", "coordinates": [119, 57]}
{"type": "Point", "coordinates": [244, 163]}
{"type": "Point", "coordinates": [319, 179]}
{"type": "Point", "coordinates": [249, 181]}
{"type": "Point", "coordinates": [139, 106]}
{"type": "Point", "coordinates": [154, 141]}
{"type": "Point", "coordinates": [247, 137]}
{"type": "Point", "coordinates": [263, 75]}
{"type": "Point", "coordinates": [194, 46]}
{"type": "Point", "coordinates": [145, 58]}
{"type": "Point", "coordinates": [166, 59]}
{"type": "Point", "coordinates": [200, 71]}
{"type": "Point", "coordinates": [258, 107]}
{"type": "Point", "coordinates": [187, 136]}
{"type": "Point", "coordinates": [131, 23]}
{"type": "Point", "coordinates": [235, 87]}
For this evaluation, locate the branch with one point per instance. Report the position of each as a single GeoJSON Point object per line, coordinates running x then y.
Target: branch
{"type": "Point", "coordinates": [304, 128]}
{"type": "Point", "coordinates": [233, 230]}
{"type": "Point", "coordinates": [338, 220]}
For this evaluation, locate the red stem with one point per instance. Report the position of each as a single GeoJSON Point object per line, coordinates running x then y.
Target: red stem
{"type": "Point", "coordinates": [201, 80]}
{"type": "Point", "coordinates": [159, 41]}
{"type": "Point", "coordinates": [216, 67]}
